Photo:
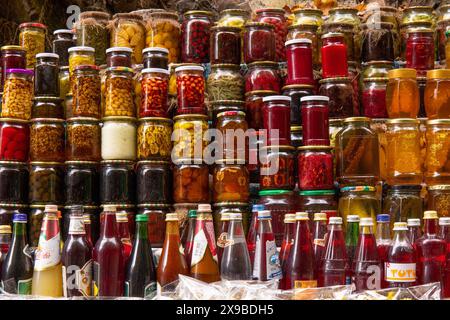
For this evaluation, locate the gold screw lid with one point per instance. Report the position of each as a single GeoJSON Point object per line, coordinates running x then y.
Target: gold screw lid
{"type": "Point", "coordinates": [402, 73]}
{"type": "Point", "coordinates": [5, 229]}
{"type": "Point", "coordinates": [438, 74]}
{"type": "Point", "coordinates": [403, 120]}
{"type": "Point", "coordinates": [356, 119]}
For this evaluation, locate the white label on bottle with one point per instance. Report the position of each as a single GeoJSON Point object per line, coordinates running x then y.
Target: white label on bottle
{"type": "Point", "coordinates": [199, 247]}
{"type": "Point", "coordinates": [272, 261]}
{"type": "Point", "coordinates": [48, 253]}
{"type": "Point", "coordinates": [76, 225]}
{"type": "Point", "coordinates": [83, 278]}
{"type": "Point", "coordinates": [257, 259]}
{"type": "Point", "coordinates": [400, 272]}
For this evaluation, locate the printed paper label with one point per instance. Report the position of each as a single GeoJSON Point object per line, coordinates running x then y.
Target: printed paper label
{"type": "Point", "coordinates": [24, 286]}
{"type": "Point", "coordinates": [319, 242]}
{"type": "Point", "coordinates": [47, 253]}
{"type": "Point", "coordinates": [301, 284]}
{"type": "Point", "coordinates": [400, 272]}
{"type": "Point", "coordinates": [199, 248]}
{"type": "Point", "coordinates": [150, 290]}
{"type": "Point", "coordinates": [272, 261]}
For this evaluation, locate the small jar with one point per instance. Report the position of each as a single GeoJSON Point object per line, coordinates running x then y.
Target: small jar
{"type": "Point", "coordinates": [153, 182]}
{"type": "Point", "coordinates": [12, 57]}
{"type": "Point", "coordinates": [259, 42]}
{"type": "Point", "coordinates": [119, 92]}
{"type": "Point", "coordinates": [342, 102]}
{"type": "Point", "coordinates": [225, 83]}
{"type": "Point", "coordinates": [420, 50]}
{"type": "Point", "coordinates": [156, 227]}
{"type": "Point", "coordinates": [359, 200]}
{"type": "Point", "coordinates": [232, 207]}
{"type": "Point", "coordinates": [117, 182]}
{"type": "Point", "coordinates": [315, 118]}
{"type": "Point", "coordinates": [313, 201]}
{"type": "Point", "coordinates": [155, 57]}
{"type": "Point", "coordinates": [128, 30]}
{"type": "Point", "coordinates": [296, 136]}
{"type": "Point", "coordinates": [225, 45]}
{"type": "Point", "coordinates": [83, 139]}
{"type": "Point", "coordinates": [439, 199]}
{"type": "Point", "coordinates": [437, 158]}
{"type": "Point", "coordinates": [63, 39]}
{"type": "Point", "coordinates": [118, 57]}
{"type": "Point", "coordinates": [32, 39]}
{"type": "Point", "coordinates": [8, 210]}
{"type": "Point", "coordinates": [275, 17]}
{"type": "Point", "coordinates": [195, 35]}
{"type": "Point", "coordinates": [306, 31]}
{"type": "Point", "coordinates": [46, 183]}
{"type": "Point", "coordinates": [403, 155]}
{"type": "Point", "coordinates": [374, 98]}
{"type": "Point", "coordinates": [47, 107]}
{"type": "Point", "coordinates": [437, 104]}
{"type": "Point", "coordinates": [190, 89]}
{"type": "Point", "coordinates": [253, 107]}
{"type": "Point", "coordinates": [14, 182]}
{"type": "Point", "coordinates": [377, 42]}
{"type": "Point", "coordinates": [190, 181]}
{"type": "Point", "coordinates": [164, 31]}
{"type": "Point", "coordinates": [47, 140]}
{"type": "Point", "coordinates": [220, 106]}
{"type": "Point", "coordinates": [79, 56]}
{"type": "Point", "coordinates": [154, 139]}
{"type": "Point", "coordinates": [46, 74]}
{"type": "Point", "coordinates": [348, 30]}
{"type": "Point", "coordinates": [233, 126]}
{"type": "Point", "coordinates": [334, 56]}
{"type": "Point", "coordinates": [276, 114]}
{"type": "Point", "coordinates": [189, 136]}
{"type": "Point", "coordinates": [262, 75]}
{"type": "Point", "coordinates": [118, 138]}
{"type": "Point", "coordinates": [81, 182]}
{"type": "Point", "coordinates": [315, 168]}
{"type": "Point", "coordinates": [17, 94]}
{"type": "Point", "coordinates": [299, 62]}
{"type": "Point", "coordinates": [308, 16]}
{"type": "Point", "coordinates": [230, 181]}
{"type": "Point", "coordinates": [86, 89]}
{"type": "Point", "coordinates": [403, 203]}
{"type": "Point", "coordinates": [154, 91]}
{"type": "Point", "coordinates": [402, 94]}
{"type": "Point", "coordinates": [14, 139]}
{"type": "Point", "coordinates": [296, 92]}
{"type": "Point", "coordinates": [277, 168]}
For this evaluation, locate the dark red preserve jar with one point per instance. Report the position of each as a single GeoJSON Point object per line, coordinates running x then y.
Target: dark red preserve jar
{"type": "Point", "coordinates": [315, 117]}
{"type": "Point", "coordinates": [315, 168]}
{"type": "Point", "coordinates": [262, 75]}
{"type": "Point", "coordinates": [225, 46]}
{"type": "Point", "coordinates": [12, 57]}
{"type": "Point", "coordinates": [259, 42]}
{"type": "Point", "coordinates": [299, 62]}
{"type": "Point", "coordinates": [334, 55]}
{"type": "Point", "coordinates": [118, 57]}
{"type": "Point", "coordinates": [277, 116]}
{"type": "Point", "coordinates": [253, 107]}
{"type": "Point", "coordinates": [195, 33]}
{"type": "Point", "coordinates": [420, 50]}
{"type": "Point", "coordinates": [275, 17]}
{"type": "Point", "coordinates": [190, 89]}
{"type": "Point", "coordinates": [14, 139]}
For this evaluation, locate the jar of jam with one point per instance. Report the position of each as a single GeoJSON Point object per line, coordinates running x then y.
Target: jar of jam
{"type": "Point", "coordinates": [342, 101]}
{"type": "Point", "coordinates": [79, 56]}
{"type": "Point", "coordinates": [377, 42]}
{"type": "Point", "coordinates": [277, 168]}
{"type": "Point", "coordinates": [299, 62]}
{"type": "Point", "coordinates": [46, 183]}
{"type": "Point", "coordinates": [190, 181]}
{"type": "Point", "coordinates": [154, 90]}
{"type": "Point", "coordinates": [189, 136]}
{"type": "Point", "coordinates": [348, 30]}
{"type": "Point", "coordinates": [315, 117]}
{"type": "Point", "coordinates": [439, 199]}
{"type": "Point", "coordinates": [154, 182]}
{"type": "Point", "coordinates": [315, 168]}
{"type": "Point", "coordinates": [47, 140]}
{"type": "Point", "coordinates": [156, 213]}
{"type": "Point", "coordinates": [403, 155]}
{"type": "Point", "coordinates": [86, 89]}
{"type": "Point", "coordinates": [276, 115]}
{"type": "Point", "coordinates": [420, 50]}
{"type": "Point", "coordinates": [230, 181]}
{"type": "Point", "coordinates": [119, 92]}
{"type": "Point", "coordinates": [407, 27]}
{"type": "Point", "coordinates": [8, 210]}
{"type": "Point", "coordinates": [155, 57]}
{"type": "Point", "coordinates": [63, 39]}
{"type": "Point", "coordinates": [47, 107]}
{"type": "Point", "coordinates": [14, 182]}
{"type": "Point", "coordinates": [313, 201]}
{"type": "Point", "coordinates": [233, 126]}
{"type": "Point", "coordinates": [220, 106]}
{"type": "Point", "coordinates": [402, 94]}
{"type": "Point", "coordinates": [306, 31]}
{"type": "Point", "coordinates": [46, 74]}
{"type": "Point", "coordinates": [253, 107]}
{"type": "Point", "coordinates": [359, 200]}
{"type": "Point", "coordinates": [164, 31]}
{"type": "Point", "coordinates": [83, 139]}
{"type": "Point", "coordinates": [437, 155]}
{"type": "Point", "coordinates": [32, 39]}
{"type": "Point", "coordinates": [334, 55]}
{"type": "Point", "coordinates": [117, 182]}
{"type": "Point", "coordinates": [119, 138]}
{"type": "Point", "coordinates": [81, 182]}
{"type": "Point", "coordinates": [308, 16]}
{"type": "Point", "coordinates": [17, 94]}
{"type": "Point", "coordinates": [225, 83]}
{"type": "Point", "coordinates": [296, 92]}
{"type": "Point", "coordinates": [92, 30]}
{"type": "Point", "coordinates": [14, 139]}
{"type": "Point", "coordinates": [195, 34]}
{"type": "Point", "coordinates": [190, 89]}
{"type": "Point", "coordinates": [225, 45]}
{"type": "Point", "coordinates": [154, 139]}
{"type": "Point", "coordinates": [374, 98]}
{"type": "Point", "coordinates": [437, 104]}
{"type": "Point", "coordinates": [296, 136]}
{"type": "Point", "coordinates": [259, 42]}
{"type": "Point", "coordinates": [11, 57]}
{"type": "Point", "coordinates": [403, 203]}
{"type": "Point", "coordinates": [262, 76]}
{"type": "Point", "coordinates": [118, 57]}
{"type": "Point", "coordinates": [275, 17]}
{"type": "Point", "coordinates": [232, 207]}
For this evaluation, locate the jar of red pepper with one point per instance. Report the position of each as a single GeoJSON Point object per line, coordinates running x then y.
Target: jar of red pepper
{"type": "Point", "coordinates": [155, 57]}
{"type": "Point", "coordinates": [315, 120]}
{"type": "Point", "coordinates": [275, 17]}
{"type": "Point", "coordinates": [277, 168]}
{"type": "Point", "coordinates": [334, 55]}
{"type": "Point", "coordinates": [118, 57]}
{"type": "Point", "coordinates": [299, 61]}
{"type": "Point", "coordinates": [14, 139]}
{"type": "Point", "coordinates": [253, 107]}
{"type": "Point", "coordinates": [262, 75]}
{"type": "Point", "coordinates": [276, 115]}
{"type": "Point", "coordinates": [315, 168]}
{"type": "Point", "coordinates": [154, 89]}
{"type": "Point", "coordinates": [420, 50]}
{"type": "Point", "coordinates": [225, 46]}
{"type": "Point", "coordinates": [296, 92]}
{"type": "Point", "coordinates": [190, 89]}
{"type": "Point", "coordinates": [259, 42]}
{"type": "Point", "coordinates": [374, 98]}
{"type": "Point", "coordinates": [12, 57]}
{"type": "Point", "coordinates": [195, 34]}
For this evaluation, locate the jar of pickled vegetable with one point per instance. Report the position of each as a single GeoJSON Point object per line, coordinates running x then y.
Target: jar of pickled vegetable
{"type": "Point", "coordinates": [437, 104]}
{"type": "Point", "coordinates": [313, 201]}
{"type": "Point", "coordinates": [277, 168]}
{"type": "Point", "coordinates": [233, 18]}
{"type": "Point", "coordinates": [296, 92]}
{"type": "Point", "coordinates": [262, 75]}
{"type": "Point", "coordinates": [348, 30]}
{"type": "Point", "coordinates": [190, 89]}
{"type": "Point", "coordinates": [299, 62]}
{"type": "Point", "coordinates": [276, 116]}
{"type": "Point", "coordinates": [46, 183]}
{"type": "Point", "coordinates": [80, 56]}
{"type": "Point", "coordinates": [315, 118]}
{"type": "Point", "coordinates": [232, 207]}
{"type": "Point", "coordinates": [377, 42]}
{"type": "Point", "coordinates": [154, 88]}
{"type": "Point", "coordinates": [46, 73]}
{"type": "Point", "coordinates": [437, 159]}
{"type": "Point", "coordinates": [275, 17]}
{"type": "Point", "coordinates": [439, 199]}
{"type": "Point", "coordinates": [190, 181]}
{"type": "Point", "coordinates": [189, 138]}
{"type": "Point", "coordinates": [118, 138]}
{"type": "Point", "coordinates": [334, 55]}
{"type": "Point", "coordinates": [259, 42]}
{"type": "Point", "coordinates": [86, 91]}
{"type": "Point", "coordinates": [156, 227]}
{"type": "Point", "coordinates": [420, 50]}
{"type": "Point", "coordinates": [407, 27]}
{"type": "Point", "coordinates": [296, 136]}
{"type": "Point", "coordinates": [306, 31]}
{"type": "Point", "coordinates": [359, 200]}
{"type": "Point", "coordinates": [308, 16]}
{"type": "Point", "coordinates": [230, 181]}
{"type": "Point", "coordinates": [403, 203]}
{"type": "Point", "coordinates": [81, 181]}
{"type": "Point", "coordinates": [83, 139]}
{"type": "Point", "coordinates": [118, 57]}
{"type": "Point", "coordinates": [418, 13]}
{"type": "Point", "coordinates": [8, 210]}
{"type": "Point", "coordinates": [117, 182]}
{"type": "Point", "coordinates": [14, 139]}
{"type": "Point", "coordinates": [63, 39]}
{"type": "Point", "coordinates": [153, 182]}
{"type": "Point", "coordinates": [335, 125]}
{"type": "Point", "coordinates": [225, 45]}
{"type": "Point", "coordinates": [154, 139]}
{"type": "Point", "coordinates": [374, 98]}
{"type": "Point", "coordinates": [11, 57]}
{"type": "Point", "coordinates": [315, 168]}
{"type": "Point", "coordinates": [344, 15]}
{"type": "Point", "coordinates": [342, 99]}
{"type": "Point", "coordinates": [47, 107]}
{"type": "Point", "coordinates": [14, 182]}
{"type": "Point", "coordinates": [402, 94]}
{"type": "Point", "coordinates": [163, 30]}
{"type": "Point", "coordinates": [220, 106]}
{"type": "Point", "coordinates": [119, 92]}
{"type": "Point", "coordinates": [32, 39]}
{"type": "Point", "coordinates": [253, 107]}
{"type": "Point", "coordinates": [195, 35]}
{"type": "Point", "coordinates": [403, 155]}
{"type": "Point", "coordinates": [47, 140]}
{"type": "Point", "coordinates": [225, 83]}
{"type": "Point", "coordinates": [155, 57]}
{"type": "Point", "coordinates": [233, 127]}
{"type": "Point", "coordinates": [17, 94]}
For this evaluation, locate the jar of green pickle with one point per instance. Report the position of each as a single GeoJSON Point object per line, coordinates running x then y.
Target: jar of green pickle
{"type": "Point", "coordinates": [80, 56]}
{"type": "Point", "coordinates": [359, 200]}
{"type": "Point", "coordinates": [403, 202]}
{"type": "Point", "coordinates": [233, 18]}
{"type": "Point", "coordinates": [418, 13]}
{"type": "Point", "coordinates": [439, 199]}
{"type": "Point", "coordinates": [308, 16]}
{"type": "Point", "coordinates": [344, 15]}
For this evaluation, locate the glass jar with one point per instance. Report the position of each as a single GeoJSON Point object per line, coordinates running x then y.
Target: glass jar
{"type": "Point", "coordinates": [119, 92]}
{"type": "Point", "coordinates": [334, 55]}
{"type": "Point", "coordinates": [225, 83]}
{"type": "Point", "coordinates": [374, 98]}
{"type": "Point", "coordinates": [276, 115]}
{"type": "Point", "coordinates": [376, 69]}
{"type": "Point", "coordinates": [190, 181]}
{"type": "Point", "coordinates": [86, 91]}
{"type": "Point", "coordinates": [46, 74]}
{"type": "Point", "coordinates": [233, 18]}
{"type": "Point", "coordinates": [232, 207]}
{"type": "Point", "coordinates": [225, 45]}
{"type": "Point", "coordinates": [420, 50]}
{"type": "Point", "coordinates": [118, 138]}
{"type": "Point", "coordinates": [230, 181]}
{"type": "Point", "coordinates": [154, 139]}
{"type": "Point", "coordinates": [92, 31]}
{"type": "Point", "coordinates": [128, 30]}
{"type": "Point", "coordinates": [233, 127]}
{"type": "Point", "coordinates": [195, 35]}
{"type": "Point", "coordinates": [17, 94]}
{"type": "Point", "coordinates": [277, 168]}
{"type": "Point", "coordinates": [83, 139]}
{"type": "Point", "coordinates": [154, 90]}
{"type": "Point", "coordinates": [275, 17]}
{"type": "Point", "coordinates": [348, 31]}
{"type": "Point", "coordinates": [32, 39]}
{"type": "Point", "coordinates": [153, 182]}
{"type": "Point", "coordinates": [253, 107]}
{"type": "Point", "coordinates": [220, 106]}
{"type": "Point", "coordinates": [377, 42]}
{"type": "Point", "coordinates": [315, 168]}
{"type": "Point", "coordinates": [164, 31]}
{"type": "Point", "coordinates": [155, 57]}
{"type": "Point", "coordinates": [189, 132]}
{"type": "Point", "coordinates": [403, 203]}
{"type": "Point", "coordinates": [403, 155]}
{"type": "Point", "coordinates": [14, 182]}
{"type": "Point", "coordinates": [118, 57]}
{"type": "Point", "coordinates": [335, 126]}
{"type": "Point", "coordinates": [47, 140]}
{"type": "Point", "coordinates": [313, 201]}
{"type": "Point", "coordinates": [156, 227]}
{"type": "Point", "coordinates": [46, 183]}
{"type": "Point", "coordinates": [8, 210]}
{"type": "Point", "coordinates": [421, 83]}
{"type": "Point", "coordinates": [358, 200]}
{"type": "Point", "coordinates": [64, 82]}
{"type": "Point", "coordinates": [14, 139]}
{"type": "Point", "coordinates": [259, 42]}
{"type": "Point", "coordinates": [441, 39]}
{"type": "Point", "coordinates": [296, 136]}
{"type": "Point", "coordinates": [190, 89]}
{"type": "Point", "coordinates": [357, 153]}
{"type": "Point", "coordinates": [47, 107]}
{"type": "Point", "coordinates": [437, 103]}
{"type": "Point", "coordinates": [117, 182]}
{"type": "Point", "coordinates": [11, 57]}
{"type": "Point", "coordinates": [68, 106]}
{"type": "Point", "coordinates": [299, 62]}
{"type": "Point", "coordinates": [308, 16]}
{"type": "Point", "coordinates": [342, 102]}
{"type": "Point", "coordinates": [408, 27]}
{"type": "Point", "coordinates": [63, 39]}
{"type": "Point", "coordinates": [80, 56]}
{"type": "Point", "coordinates": [418, 13]}
{"type": "Point", "coordinates": [437, 158]}
{"type": "Point", "coordinates": [344, 15]}
{"type": "Point", "coordinates": [315, 117]}
{"type": "Point", "coordinates": [262, 75]}
{"type": "Point", "coordinates": [402, 94]}
{"type": "Point", "coordinates": [444, 11]}
{"type": "Point", "coordinates": [81, 182]}
{"type": "Point", "coordinates": [296, 92]}
{"type": "Point", "coordinates": [306, 31]}
{"type": "Point", "coordinates": [439, 199]}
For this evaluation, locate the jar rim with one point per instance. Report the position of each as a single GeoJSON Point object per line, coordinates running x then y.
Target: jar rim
{"type": "Point", "coordinates": [47, 98]}
{"type": "Point", "coordinates": [307, 10]}
{"type": "Point", "coordinates": [6, 162]}
{"type": "Point", "coordinates": [349, 9]}
{"type": "Point", "coordinates": [59, 31]}
{"type": "Point", "coordinates": [27, 72]}
{"type": "Point", "coordinates": [280, 147]}
{"type": "Point", "coordinates": [191, 161]}
{"type": "Point", "coordinates": [192, 67]}
{"type": "Point", "coordinates": [394, 188]}
{"type": "Point", "coordinates": [274, 192]}
{"type": "Point", "coordinates": [317, 193]}
{"type": "Point", "coordinates": [314, 98]}
{"type": "Point", "coordinates": [258, 24]}
{"type": "Point", "coordinates": [116, 161]}
{"type": "Point", "coordinates": [119, 118]}
{"type": "Point", "coordinates": [276, 98]}
{"type": "Point", "coordinates": [438, 74]}
{"type": "Point", "coordinates": [227, 102]}
{"type": "Point", "coordinates": [296, 41]}
{"type": "Point", "coordinates": [303, 25]}
{"type": "Point", "coordinates": [297, 86]}
{"type": "Point", "coordinates": [83, 119]}
{"type": "Point", "coordinates": [33, 25]}
{"type": "Point", "coordinates": [81, 48]}
{"type": "Point", "coordinates": [199, 12]}
{"type": "Point", "coordinates": [13, 47]}
{"type": "Point", "coordinates": [151, 162]}
{"type": "Point", "coordinates": [230, 161]}
{"type": "Point", "coordinates": [155, 70]}
{"type": "Point", "coordinates": [231, 113]}
{"type": "Point", "coordinates": [335, 79]}
{"type": "Point", "coordinates": [119, 69]}
{"type": "Point", "coordinates": [225, 28]}
{"type": "Point", "coordinates": [13, 205]}
{"type": "Point", "coordinates": [296, 128]}
{"type": "Point", "coordinates": [14, 120]}
{"type": "Point", "coordinates": [153, 205]}
{"type": "Point", "coordinates": [230, 203]}
{"type": "Point", "coordinates": [270, 9]}
{"type": "Point", "coordinates": [263, 63]}
{"type": "Point", "coordinates": [358, 189]}
{"type": "Point", "coordinates": [438, 121]}
{"type": "Point", "coordinates": [332, 35]}
{"type": "Point", "coordinates": [306, 148]}
{"type": "Point", "coordinates": [84, 207]}
{"type": "Point", "coordinates": [72, 162]}
{"type": "Point", "coordinates": [356, 119]}
{"type": "Point", "coordinates": [403, 120]}
{"type": "Point", "coordinates": [56, 120]}
{"type": "Point", "coordinates": [46, 164]}
{"type": "Point", "coordinates": [193, 116]}
{"type": "Point", "coordinates": [439, 187]}
{"type": "Point", "coordinates": [156, 119]}
{"type": "Point", "coordinates": [122, 49]}
{"type": "Point", "coordinates": [258, 92]}
{"type": "Point", "coordinates": [47, 55]}
{"type": "Point", "coordinates": [376, 79]}
{"type": "Point", "coordinates": [154, 49]}
{"type": "Point", "coordinates": [402, 73]}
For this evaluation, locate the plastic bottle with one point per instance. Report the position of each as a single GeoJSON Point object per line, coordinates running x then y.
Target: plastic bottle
{"type": "Point", "coordinates": [223, 235]}
{"type": "Point", "coordinates": [288, 237]}
{"type": "Point", "coordinates": [444, 223]}
{"type": "Point", "coordinates": [414, 230]}
{"type": "Point", "coordinates": [383, 243]}
{"type": "Point", "coordinates": [252, 231]}
{"type": "Point", "coordinates": [319, 233]}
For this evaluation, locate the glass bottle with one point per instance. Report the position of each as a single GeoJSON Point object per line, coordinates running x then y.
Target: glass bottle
{"type": "Point", "coordinates": [124, 234]}
{"type": "Point", "coordinates": [5, 241]}
{"type": "Point", "coordinates": [288, 238]}
{"type": "Point", "coordinates": [318, 235]}
{"type": "Point", "coordinates": [187, 237]}
{"type": "Point", "coordinates": [384, 242]}
{"type": "Point", "coordinates": [414, 230]}
{"type": "Point", "coordinates": [88, 229]}
{"type": "Point", "coordinates": [444, 224]}
{"type": "Point", "coordinates": [351, 237]}
{"type": "Point", "coordinates": [222, 236]}
{"type": "Point", "coordinates": [253, 231]}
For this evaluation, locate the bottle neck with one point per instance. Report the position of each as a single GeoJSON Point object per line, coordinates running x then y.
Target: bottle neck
{"type": "Point", "coordinates": [236, 229]}
{"type": "Point", "coordinates": [383, 232]}
{"type": "Point", "coordinates": [76, 226]}
{"type": "Point", "coordinates": [141, 230]}
{"type": "Point", "coordinates": [19, 230]}
{"type": "Point", "coordinates": [366, 230]}
{"type": "Point", "coordinates": [124, 231]}
{"type": "Point", "coordinates": [351, 236]}
{"type": "Point", "coordinates": [430, 226]}
{"type": "Point", "coordinates": [109, 229]}
{"type": "Point", "coordinates": [172, 228]}
{"type": "Point", "coordinates": [401, 235]}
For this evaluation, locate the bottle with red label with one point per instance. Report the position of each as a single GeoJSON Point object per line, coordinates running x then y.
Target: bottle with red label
{"type": "Point", "coordinates": [190, 232]}
{"type": "Point", "coordinates": [383, 243]}
{"type": "Point", "coordinates": [318, 235]}
{"type": "Point", "coordinates": [223, 235]}
{"type": "Point", "coordinates": [444, 223]}
{"type": "Point", "coordinates": [400, 268]}
{"type": "Point", "coordinates": [414, 230]}
{"type": "Point", "coordinates": [288, 237]}
{"type": "Point", "coordinates": [252, 231]}
{"type": "Point", "coordinates": [431, 251]}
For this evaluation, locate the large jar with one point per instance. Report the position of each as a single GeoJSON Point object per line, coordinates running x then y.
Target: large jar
{"type": "Point", "coordinates": [83, 139]}
{"type": "Point", "coordinates": [117, 182]}
{"type": "Point", "coordinates": [164, 31]}
{"type": "Point", "coordinates": [47, 107]}
{"type": "Point", "coordinates": [81, 182]}
{"type": "Point", "coordinates": [118, 138]}
{"type": "Point", "coordinates": [46, 74]}
{"type": "Point", "coordinates": [32, 39]}
{"type": "Point", "coordinates": [403, 155]}
{"type": "Point", "coordinates": [259, 42]}
{"type": "Point", "coordinates": [80, 56]}
{"type": "Point", "coordinates": [230, 181]}
{"type": "Point", "coordinates": [403, 203]}
{"type": "Point", "coordinates": [155, 57]}
{"type": "Point", "coordinates": [348, 30]}
{"type": "Point", "coordinates": [154, 91]}
{"type": "Point", "coordinates": [439, 199]}
{"type": "Point", "coordinates": [17, 94]}
{"type": "Point", "coordinates": [377, 42]}
{"type": "Point", "coordinates": [119, 92]}
{"type": "Point", "coordinates": [277, 168]}
{"type": "Point", "coordinates": [46, 184]}
{"type": "Point", "coordinates": [14, 139]}
{"type": "Point", "coordinates": [86, 91]}
{"type": "Point", "coordinates": [156, 227]}
{"type": "Point", "coordinates": [153, 182]}
{"type": "Point", "coordinates": [342, 102]}
{"type": "Point", "coordinates": [402, 94]}
{"type": "Point", "coordinates": [190, 89]}
{"type": "Point", "coordinates": [11, 57]}
{"type": "Point", "coordinates": [8, 210]}
{"type": "Point", "coordinates": [220, 106]}
{"type": "Point", "coordinates": [118, 57]}
{"type": "Point", "coordinates": [315, 168]}
{"type": "Point", "coordinates": [225, 45]}
{"type": "Point", "coordinates": [253, 107]}
{"type": "Point", "coordinates": [47, 140]}
{"type": "Point", "coordinates": [296, 92]}
{"type": "Point", "coordinates": [306, 31]}
{"type": "Point", "coordinates": [63, 39]}
{"type": "Point", "coordinates": [374, 98]}
{"type": "Point", "coordinates": [195, 34]}
{"type": "Point", "coordinates": [14, 182]}
{"type": "Point", "coordinates": [189, 138]}
{"type": "Point", "coordinates": [232, 207]}
{"type": "Point", "coordinates": [315, 118]}
{"type": "Point", "coordinates": [420, 50]}
{"type": "Point", "coordinates": [334, 55]}
{"type": "Point", "coordinates": [299, 62]}
{"type": "Point", "coordinates": [437, 161]}
{"type": "Point", "coordinates": [262, 75]}
{"type": "Point", "coordinates": [437, 103]}
{"type": "Point", "coordinates": [128, 30]}
{"type": "Point", "coordinates": [359, 200]}
{"type": "Point", "coordinates": [276, 115]}
{"type": "Point", "coordinates": [190, 181]}
{"type": "Point", "coordinates": [154, 139]}
{"type": "Point", "coordinates": [225, 83]}
{"type": "Point", "coordinates": [275, 17]}
{"type": "Point", "coordinates": [233, 127]}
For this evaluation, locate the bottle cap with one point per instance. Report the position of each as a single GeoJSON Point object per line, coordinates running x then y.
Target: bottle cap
{"type": "Point", "coordinates": [204, 208]}
{"type": "Point", "coordinates": [276, 98]}
{"type": "Point", "coordinates": [257, 207]}
{"type": "Point", "coordinates": [400, 226]}
{"type": "Point", "coordinates": [5, 229]}
{"type": "Point", "coordinates": [444, 221]}
{"type": "Point", "coordinates": [47, 55]}
{"type": "Point", "coordinates": [383, 217]}
{"type": "Point", "coordinates": [109, 208]}
{"type": "Point", "coordinates": [353, 218]}
{"type": "Point", "coordinates": [20, 217]}
{"type": "Point", "coordinates": [235, 216]}
{"type": "Point", "coordinates": [320, 216]}
{"type": "Point", "coordinates": [430, 214]}
{"type": "Point", "coordinates": [120, 49]}
{"type": "Point", "coordinates": [335, 220]}
{"type": "Point", "coordinates": [51, 208]}
{"type": "Point", "coordinates": [225, 216]}
{"type": "Point", "coordinates": [172, 217]}
{"type": "Point", "coordinates": [192, 213]}
{"type": "Point", "coordinates": [141, 218]}
{"type": "Point", "coordinates": [289, 218]}
{"type": "Point", "coordinates": [155, 49]}
{"type": "Point", "coordinates": [315, 98]}
{"type": "Point", "coordinates": [302, 216]}
{"type": "Point", "coordinates": [413, 223]}
{"type": "Point", "coordinates": [366, 222]}
{"type": "Point", "coordinates": [121, 216]}
{"type": "Point", "coordinates": [264, 214]}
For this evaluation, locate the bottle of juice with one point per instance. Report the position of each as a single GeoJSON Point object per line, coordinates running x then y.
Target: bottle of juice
{"type": "Point", "coordinates": [367, 267]}
{"type": "Point", "coordinates": [319, 233]}
{"type": "Point", "coordinates": [431, 251]}
{"type": "Point", "coordinates": [235, 260]}
{"type": "Point", "coordinates": [383, 243]}
{"type": "Point", "coordinates": [444, 223]}
{"type": "Point", "coordinates": [334, 267]}
{"type": "Point", "coordinates": [188, 245]}
{"type": "Point", "coordinates": [252, 231]}
{"type": "Point", "coordinates": [298, 271]}
{"type": "Point", "coordinates": [351, 239]}
{"type": "Point", "coordinates": [88, 230]}
{"type": "Point", "coordinates": [400, 267]}
{"type": "Point", "coordinates": [414, 230]}
{"type": "Point", "coordinates": [288, 237]}
{"type": "Point", "coordinates": [5, 240]}
{"type": "Point", "coordinates": [223, 235]}
{"type": "Point", "coordinates": [124, 234]}
{"type": "Point", "coordinates": [267, 263]}
{"type": "Point", "coordinates": [47, 274]}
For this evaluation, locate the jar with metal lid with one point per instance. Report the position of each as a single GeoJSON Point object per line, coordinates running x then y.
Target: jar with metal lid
{"type": "Point", "coordinates": [275, 17]}
{"type": "Point", "coordinates": [342, 101]}
{"type": "Point", "coordinates": [441, 39]}
{"type": "Point", "coordinates": [259, 42]}
{"type": "Point", "coordinates": [313, 201]}
{"type": "Point", "coordinates": [195, 35]}
{"type": "Point", "coordinates": [128, 30]}
{"type": "Point", "coordinates": [344, 15]}
{"type": "Point", "coordinates": [334, 55]}
{"type": "Point", "coordinates": [437, 103]}
{"type": "Point", "coordinates": [359, 200]}
{"type": "Point", "coordinates": [437, 160]}
{"type": "Point", "coordinates": [418, 13]}
{"type": "Point", "coordinates": [306, 31]}
{"type": "Point", "coordinates": [277, 167]}
{"type": "Point", "coordinates": [118, 57]}
{"type": "Point", "coordinates": [47, 140]}
{"type": "Point", "coordinates": [63, 39]}
{"type": "Point", "coordinates": [83, 139]}
{"type": "Point", "coordinates": [154, 139]}
{"type": "Point", "coordinates": [11, 57]}
{"type": "Point", "coordinates": [315, 118]}
{"type": "Point", "coordinates": [232, 207]}
{"type": "Point", "coordinates": [34, 225]}
{"type": "Point", "coordinates": [188, 132]}
{"type": "Point", "coordinates": [225, 83]}
{"type": "Point", "coordinates": [46, 183]}
{"type": "Point", "coordinates": [262, 76]}
{"type": "Point", "coordinates": [377, 42]}
{"type": "Point", "coordinates": [374, 98]}
{"type": "Point", "coordinates": [296, 92]}
{"type": "Point", "coordinates": [233, 18]}
{"type": "Point", "coordinates": [154, 90]}
{"type": "Point", "coordinates": [296, 136]}
{"type": "Point", "coordinates": [376, 69]}
{"type": "Point", "coordinates": [86, 89]}
{"type": "Point", "coordinates": [348, 31]}
{"type": "Point", "coordinates": [315, 168]}
{"type": "Point", "coordinates": [230, 181]}
{"type": "Point", "coordinates": [420, 50]}
{"type": "Point", "coordinates": [220, 106]}
{"type": "Point", "coordinates": [164, 31]}
{"type": "Point", "coordinates": [299, 62]}
{"type": "Point", "coordinates": [253, 107]}
{"type": "Point", "coordinates": [403, 203]}
{"type": "Point", "coordinates": [119, 92]}
{"type": "Point", "coordinates": [17, 94]}
{"type": "Point", "coordinates": [13, 182]}
{"type": "Point", "coordinates": [14, 139]}
{"type": "Point", "coordinates": [46, 74]}
{"type": "Point", "coordinates": [79, 56]}
{"type": "Point", "coordinates": [308, 16]}
{"type": "Point", "coordinates": [81, 182]}
{"type": "Point", "coordinates": [117, 182]}
{"type": "Point", "coordinates": [68, 105]}
{"type": "Point", "coordinates": [32, 39]}
{"type": "Point", "coordinates": [91, 219]}
{"type": "Point", "coordinates": [155, 57]}
{"type": "Point", "coordinates": [153, 182]}
{"type": "Point", "coordinates": [276, 116]}
{"type": "Point", "coordinates": [439, 199]}
{"type": "Point", "coordinates": [403, 155]}
{"type": "Point", "coordinates": [190, 89]}
{"type": "Point", "coordinates": [225, 45]}
{"type": "Point", "coordinates": [233, 127]}
{"type": "Point", "coordinates": [407, 27]}
{"type": "Point", "coordinates": [190, 181]}
{"type": "Point", "coordinates": [8, 210]}
{"type": "Point", "coordinates": [118, 138]}
{"type": "Point", "coordinates": [402, 94]}
{"type": "Point", "coordinates": [156, 227]}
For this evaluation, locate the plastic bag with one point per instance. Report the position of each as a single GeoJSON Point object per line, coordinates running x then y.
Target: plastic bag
{"type": "Point", "coordinates": [431, 291]}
